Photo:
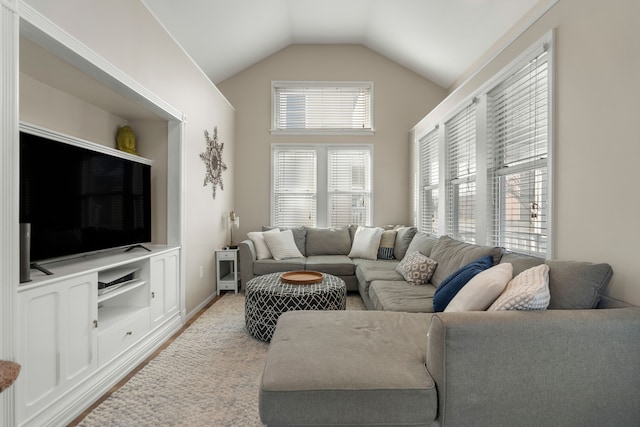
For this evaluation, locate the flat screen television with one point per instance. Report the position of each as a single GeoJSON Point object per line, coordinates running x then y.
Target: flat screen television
{"type": "Point", "coordinates": [79, 201]}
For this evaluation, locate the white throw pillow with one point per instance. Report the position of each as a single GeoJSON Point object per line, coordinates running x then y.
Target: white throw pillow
{"type": "Point", "coordinates": [282, 245]}
{"type": "Point", "coordinates": [482, 290]}
{"type": "Point", "coordinates": [529, 290]}
{"type": "Point", "coordinates": [257, 237]}
{"type": "Point", "coordinates": [366, 242]}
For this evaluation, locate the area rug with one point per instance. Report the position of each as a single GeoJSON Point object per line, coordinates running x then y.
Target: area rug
{"type": "Point", "coordinates": [208, 376]}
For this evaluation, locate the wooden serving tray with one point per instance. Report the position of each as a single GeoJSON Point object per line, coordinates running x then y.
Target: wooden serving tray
{"type": "Point", "coordinates": [302, 277]}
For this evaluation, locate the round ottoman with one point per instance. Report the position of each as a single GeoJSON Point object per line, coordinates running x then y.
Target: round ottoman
{"type": "Point", "coordinates": [267, 297]}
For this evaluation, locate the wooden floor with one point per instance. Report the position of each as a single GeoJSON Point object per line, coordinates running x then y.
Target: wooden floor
{"type": "Point", "coordinates": [113, 389]}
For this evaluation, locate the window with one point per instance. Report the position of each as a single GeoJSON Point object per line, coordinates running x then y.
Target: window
{"type": "Point", "coordinates": [495, 187]}
{"type": "Point", "coordinates": [461, 171]}
{"type": "Point", "coordinates": [429, 180]}
{"type": "Point", "coordinates": [321, 185]}
{"type": "Point", "coordinates": [517, 164]}
{"type": "Point", "coordinates": [322, 107]}
{"type": "Point", "coordinates": [294, 186]}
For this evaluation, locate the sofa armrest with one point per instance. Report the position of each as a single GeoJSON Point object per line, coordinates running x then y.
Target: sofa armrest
{"type": "Point", "coordinates": [247, 252]}
{"type": "Point", "coordinates": [554, 367]}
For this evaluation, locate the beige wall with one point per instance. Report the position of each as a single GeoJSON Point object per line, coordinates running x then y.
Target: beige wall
{"type": "Point", "coordinates": [125, 34]}
{"type": "Point", "coordinates": [401, 98]}
{"type": "Point", "coordinates": [597, 148]}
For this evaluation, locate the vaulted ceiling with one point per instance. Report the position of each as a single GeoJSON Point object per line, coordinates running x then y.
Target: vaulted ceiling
{"type": "Point", "coordinates": [438, 39]}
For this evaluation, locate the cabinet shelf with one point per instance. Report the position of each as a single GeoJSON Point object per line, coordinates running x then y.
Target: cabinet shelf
{"type": "Point", "coordinates": [125, 287]}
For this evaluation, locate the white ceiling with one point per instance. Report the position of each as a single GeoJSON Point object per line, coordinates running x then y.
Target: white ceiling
{"type": "Point", "coordinates": [438, 39]}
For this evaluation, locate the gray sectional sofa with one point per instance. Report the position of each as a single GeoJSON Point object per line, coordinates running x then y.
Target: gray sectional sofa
{"type": "Point", "coordinates": [399, 364]}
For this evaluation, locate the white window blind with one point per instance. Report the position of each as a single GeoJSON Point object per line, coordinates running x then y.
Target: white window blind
{"type": "Point", "coordinates": [460, 140]}
{"type": "Point", "coordinates": [429, 182]}
{"type": "Point", "coordinates": [294, 187]}
{"type": "Point", "coordinates": [321, 185]}
{"type": "Point", "coordinates": [322, 107]}
{"type": "Point", "coordinates": [518, 120]}
{"type": "Point", "coordinates": [349, 185]}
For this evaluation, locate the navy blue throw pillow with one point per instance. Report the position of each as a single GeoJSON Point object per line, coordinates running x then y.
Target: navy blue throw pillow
{"type": "Point", "coordinates": [452, 284]}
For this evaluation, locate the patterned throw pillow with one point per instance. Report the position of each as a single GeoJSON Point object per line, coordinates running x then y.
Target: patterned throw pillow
{"type": "Point", "coordinates": [529, 290]}
{"type": "Point", "coordinates": [387, 242]}
{"type": "Point", "coordinates": [416, 268]}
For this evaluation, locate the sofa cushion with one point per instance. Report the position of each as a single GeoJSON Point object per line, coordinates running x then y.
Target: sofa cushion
{"type": "Point", "coordinates": [520, 262]}
{"type": "Point", "coordinates": [365, 243]}
{"type": "Point", "coordinates": [452, 254]}
{"type": "Point", "coordinates": [529, 290]}
{"type": "Point", "coordinates": [368, 271]}
{"type": "Point", "coordinates": [577, 285]}
{"type": "Point", "coordinates": [401, 296]}
{"type": "Point", "coordinates": [387, 244]}
{"type": "Point", "coordinates": [338, 265]}
{"type": "Point", "coordinates": [262, 250]}
{"type": "Point", "coordinates": [299, 235]}
{"type": "Point", "coordinates": [423, 243]}
{"type": "Point", "coordinates": [452, 284]}
{"type": "Point", "coordinates": [416, 268]}
{"type": "Point", "coordinates": [481, 291]}
{"type": "Point", "coordinates": [328, 241]}
{"type": "Point", "coordinates": [404, 237]}
{"type": "Point", "coordinates": [270, 265]}
{"type": "Point", "coordinates": [282, 245]}
{"type": "Point", "coordinates": [333, 368]}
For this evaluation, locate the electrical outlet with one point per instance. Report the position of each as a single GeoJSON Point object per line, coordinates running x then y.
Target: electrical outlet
{"type": "Point", "coordinates": [201, 272]}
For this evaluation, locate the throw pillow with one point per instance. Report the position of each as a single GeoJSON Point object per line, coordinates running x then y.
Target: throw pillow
{"type": "Point", "coordinates": [257, 237]}
{"type": "Point", "coordinates": [299, 235]}
{"type": "Point", "coordinates": [481, 291]}
{"type": "Point", "coordinates": [387, 242]}
{"type": "Point", "coordinates": [366, 242]}
{"type": "Point", "coordinates": [529, 290]}
{"type": "Point", "coordinates": [416, 268]}
{"type": "Point", "coordinates": [403, 239]}
{"type": "Point", "coordinates": [282, 245]}
{"type": "Point", "coordinates": [452, 284]}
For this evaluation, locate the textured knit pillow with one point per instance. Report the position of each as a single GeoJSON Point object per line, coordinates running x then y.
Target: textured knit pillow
{"type": "Point", "coordinates": [481, 291]}
{"type": "Point", "coordinates": [257, 237]}
{"type": "Point", "coordinates": [387, 242]}
{"type": "Point", "coordinates": [452, 284]}
{"type": "Point", "coordinates": [365, 243]}
{"type": "Point", "coordinates": [529, 290]}
{"type": "Point", "coordinates": [416, 268]}
{"type": "Point", "coordinates": [282, 245]}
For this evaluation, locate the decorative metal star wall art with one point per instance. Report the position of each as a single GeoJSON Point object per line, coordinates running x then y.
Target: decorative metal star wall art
{"type": "Point", "coordinates": [212, 158]}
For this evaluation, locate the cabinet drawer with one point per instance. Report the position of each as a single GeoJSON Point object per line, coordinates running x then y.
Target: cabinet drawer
{"type": "Point", "coordinates": [227, 255]}
{"type": "Point", "coordinates": [121, 336]}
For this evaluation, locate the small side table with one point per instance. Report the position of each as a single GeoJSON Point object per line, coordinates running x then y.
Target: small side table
{"type": "Point", "coordinates": [227, 270]}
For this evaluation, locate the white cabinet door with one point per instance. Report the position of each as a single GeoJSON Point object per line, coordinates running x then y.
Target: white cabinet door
{"type": "Point", "coordinates": [164, 286]}
{"type": "Point", "coordinates": [57, 340]}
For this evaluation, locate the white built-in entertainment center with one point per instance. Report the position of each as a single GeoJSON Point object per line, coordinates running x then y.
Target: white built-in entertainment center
{"type": "Point", "coordinates": [74, 340]}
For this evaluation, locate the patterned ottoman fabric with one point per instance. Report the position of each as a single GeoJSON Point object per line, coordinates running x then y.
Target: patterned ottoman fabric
{"type": "Point", "coordinates": [267, 297]}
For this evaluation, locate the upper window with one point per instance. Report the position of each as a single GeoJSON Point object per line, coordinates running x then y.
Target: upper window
{"type": "Point", "coordinates": [321, 185]}
{"type": "Point", "coordinates": [322, 107]}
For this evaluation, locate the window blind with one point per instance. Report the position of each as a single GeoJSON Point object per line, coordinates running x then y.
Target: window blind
{"type": "Point", "coordinates": [294, 187]}
{"type": "Point", "coordinates": [322, 106]}
{"type": "Point", "coordinates": [349, 186]}
{"type": "Point", "coordinates": [429, 180]}
{"type": "Point", "coordinates": [518, 120]}
{"type": "Point", "coordinates": [460, 138]}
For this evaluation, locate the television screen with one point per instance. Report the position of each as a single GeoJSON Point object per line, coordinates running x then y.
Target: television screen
{"type": "Point", "coordinates": [78, 200]}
